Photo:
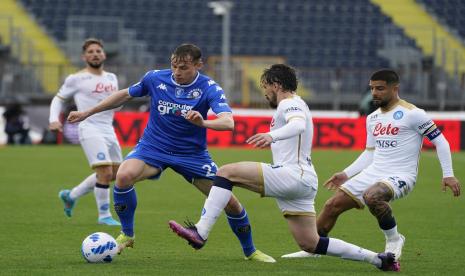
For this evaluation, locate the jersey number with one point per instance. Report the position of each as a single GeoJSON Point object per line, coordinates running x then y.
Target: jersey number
{"type": "Point", "coordinates": [208, 168]}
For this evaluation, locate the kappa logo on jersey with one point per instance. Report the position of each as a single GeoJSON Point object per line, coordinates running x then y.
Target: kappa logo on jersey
{"type": "Point", "coordinates": [162, 86]}
{"type": "Point", "coordinates": [398, 115]}
{"type": "Point", "coordinates": [223, 97]}
{"type": "Point", "coordinates": [373, 117]}
{"type": "Point", "coordinates": [385, 130]}
{"type": "Point", "coordinates": [426, 125]}
{"type": "Point", "coordinates": [211, 82]}
{"type": "Point", "coordinates": [165, 107]}
{"type": "Point", "coordinates": [194, 93]}
{"type": "Point", "coordinates": [218, 88]}
{"type": "Point", "coordinates": [102, 88]}
{"type": "Point", "coordinates": [292, 109]}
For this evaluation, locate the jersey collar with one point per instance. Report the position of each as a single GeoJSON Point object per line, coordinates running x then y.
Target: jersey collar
{"type": "Point", "coordinates": [184, 85]}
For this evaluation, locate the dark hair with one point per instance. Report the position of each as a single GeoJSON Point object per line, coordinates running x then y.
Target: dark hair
{"type": "Point", "coordinates": [91, 41]}
{"type": "Point", "coordinates": [184, 51]}
{"type": "Point", "coordinates": [280, 74]}
{"type": "Point", "coordinates": [387, 75]}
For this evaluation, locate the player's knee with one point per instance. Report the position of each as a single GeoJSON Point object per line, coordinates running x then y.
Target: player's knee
{"type": "Point", "coordinates": [226, 171]}
{"type": "Point", "coordinates": [124, 179]}
{"type": "Point", "coordinates": [369, 199]}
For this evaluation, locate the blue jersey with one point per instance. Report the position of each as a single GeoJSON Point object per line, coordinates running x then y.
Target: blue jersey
{"type": "Point", "coordinates": [167, 129]}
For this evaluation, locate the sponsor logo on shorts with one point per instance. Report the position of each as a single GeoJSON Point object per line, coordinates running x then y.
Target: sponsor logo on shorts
{"type": "Point", "coordinates": [101, 156]}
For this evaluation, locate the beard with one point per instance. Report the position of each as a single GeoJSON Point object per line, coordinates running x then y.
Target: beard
{"type": "Point", "coordinates": [95, 65]}
{"type": "Point", "coordinates": [273, 101]}
{"type": "Point", "coordinates": [380, 103]}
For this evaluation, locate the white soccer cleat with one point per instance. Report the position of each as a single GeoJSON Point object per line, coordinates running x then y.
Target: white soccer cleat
{"type": "Point", "coordinates": [395, 246]}
{"type": "Point", "coordinates": [301, 254]}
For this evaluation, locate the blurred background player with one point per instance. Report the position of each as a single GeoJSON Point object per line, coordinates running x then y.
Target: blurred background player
{"type": "Point", "coordinates": [388, 168]}
{"type": "Point", "coordinates": [291, 179]}
{"type": "Point", "coordinates": [97, 137]}
{"type": "Point", "coordinates": [16, 125]}
{"type": "Point", "coordinates": [175, 137]}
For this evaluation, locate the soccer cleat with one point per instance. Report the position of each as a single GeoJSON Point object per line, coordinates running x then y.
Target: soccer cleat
{"type": "Point", "coordinates": [259, 256]}
{"type": "Point", "coordinates": [388, 262]}
{"type": "Point", "coordinates": [395, 246]}
{"type": "Point", "coordinates": [301, 254]}
{"type": "Point", "coordinates": [67, 202]}
{"type": "Point", "coordinates": [124, 241]}
{"type": "Point", "coordinates": [189, 233]}
{"type": "Point", "coordinates": [109, 221]}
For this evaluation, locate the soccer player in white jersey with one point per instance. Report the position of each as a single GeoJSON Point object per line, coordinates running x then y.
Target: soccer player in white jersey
{"type": "Point", "coordinates": [387, 169]}
{"type": "Point", "coordinates": [291, 179]}
{"type": "Point", "coordinates": [96, 134]}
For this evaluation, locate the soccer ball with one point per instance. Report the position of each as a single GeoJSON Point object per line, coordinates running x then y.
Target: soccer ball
{"type": "Point", "coordinates": [99, 247]}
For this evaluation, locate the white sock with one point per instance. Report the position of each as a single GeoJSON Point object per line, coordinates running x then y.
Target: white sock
{"type": "Point", "coordinates": [102, 197]}
{"type": "Point", "coordinates": [391, 234]}
{"type": "Point", "coordinates": [84, 187]}
{"type": "Point", "coordinates": [214, 205]}
{"type": "Point", "coordinates": [345, 250]}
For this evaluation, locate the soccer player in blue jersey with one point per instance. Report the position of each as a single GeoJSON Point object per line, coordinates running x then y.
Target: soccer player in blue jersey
{"type": "Point", "coordinates": [175, 137]}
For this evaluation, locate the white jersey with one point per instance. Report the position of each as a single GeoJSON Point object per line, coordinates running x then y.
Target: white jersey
{"type": "Point", "coordinates": [88, 90]}
{"type": "Point", "coordinates": [295, 150]}
{"type": "Point", "coordinates": [397, 137]}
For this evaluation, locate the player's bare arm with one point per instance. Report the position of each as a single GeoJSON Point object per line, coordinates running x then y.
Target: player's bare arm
{"type": "Point", "coordinates": [336, 180]}
{"type": "Point", "coordinates": [224, 121]}
{"type": "Point", "coordinates": [453, 183]}
{"type": "Point", "coordinates": [260, 140]}
{"type": "Point", "coordinates": [113, 101]}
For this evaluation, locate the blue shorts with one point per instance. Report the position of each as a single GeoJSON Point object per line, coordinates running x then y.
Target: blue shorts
{"type": "Point", "coordinates": [189, 166]}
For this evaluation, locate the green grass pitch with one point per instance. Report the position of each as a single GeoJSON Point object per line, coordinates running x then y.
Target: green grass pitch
{"type": "Point", "coordinates": [37, 239]}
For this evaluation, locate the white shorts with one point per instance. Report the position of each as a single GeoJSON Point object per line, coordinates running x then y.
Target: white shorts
{"type": "Point", "coordinates": [400, 185]}
{"type": "Point", "coordinates": [101, 151]}
{"type": "Point", "coordinates": [294, 189]}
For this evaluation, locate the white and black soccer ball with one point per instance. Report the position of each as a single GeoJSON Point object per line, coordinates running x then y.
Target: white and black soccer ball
{"type": "Point", "coordinates": [99, 247]}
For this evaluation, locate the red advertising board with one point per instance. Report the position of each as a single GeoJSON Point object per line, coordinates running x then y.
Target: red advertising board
{"type": "Point", "coordinates": [348, 133]}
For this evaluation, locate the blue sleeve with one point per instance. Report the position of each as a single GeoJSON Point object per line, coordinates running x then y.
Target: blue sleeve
{"type": "Point", "coordinates": [140, 89]}
{"type": "Point", "coordinates": [217, 100]}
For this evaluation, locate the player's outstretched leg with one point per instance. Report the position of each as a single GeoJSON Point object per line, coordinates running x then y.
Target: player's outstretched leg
{"type": "Point", "coordinates": [189, 233]}
{"type": "Point", "coordinates": [300, 254]}
{"type": "Point", "coordinates": [125, 207]}
{"type": "Point", "coordinates": [68, 203]}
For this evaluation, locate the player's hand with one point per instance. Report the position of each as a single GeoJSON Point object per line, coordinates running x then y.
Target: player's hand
{"type": "Point", "coordinates": [336, 180]}
{"type": "Point", "coordinates": [77, 116]}
{"type": "Point", "coordinates": [260, 140]}
{"type": "Point", "coordinates": [195, 118]}
{"type": "Point", "coordinates": [452, 183]}
{"type": "Point", "coordinates": [56, 126]}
